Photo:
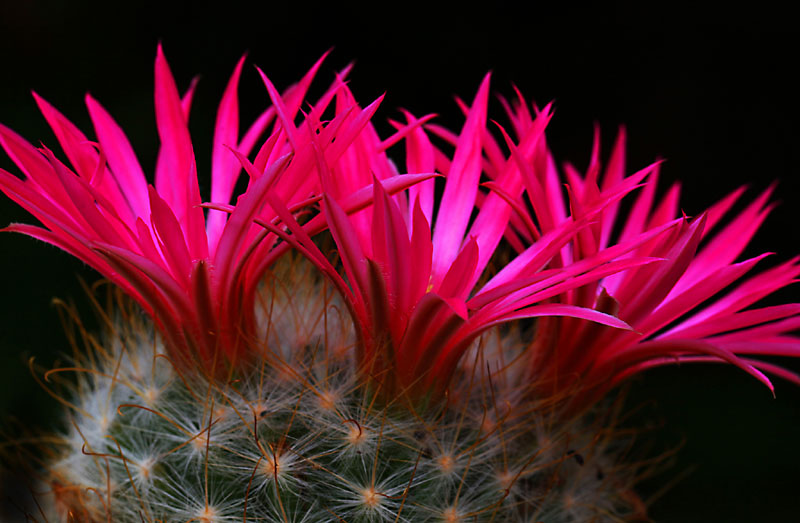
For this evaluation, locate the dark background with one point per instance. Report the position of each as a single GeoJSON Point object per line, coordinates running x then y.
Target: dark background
{"type": "Point", "coordinates": [710, 89]}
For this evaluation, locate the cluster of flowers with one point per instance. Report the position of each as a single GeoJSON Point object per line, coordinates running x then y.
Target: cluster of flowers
{"type": "Point", "coordinates": [618, 280]}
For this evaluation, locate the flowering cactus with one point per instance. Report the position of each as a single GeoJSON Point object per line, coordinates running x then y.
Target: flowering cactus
{"type": "Point", "coordinates": [659, 301]}
{"type": "Point", "coordinates": [352, 342]}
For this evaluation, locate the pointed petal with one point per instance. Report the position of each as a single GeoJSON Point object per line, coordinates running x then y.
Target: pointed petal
{"type": "Point", "coordinates": [650, 293]}
{"type": "Point", "coordinates": [391, 248]}
{"type": "Point", "coordinates": [41, 177]}
{"type": "Point", "coordinates": [121, 159]}
{"type": "Point", "coordinates": [733, 322]}
{"type": "Point", "coordinates": [613, 176]}
{"type": "Point", "coordinates": [559, 309]}
{"type": "Point", "coordinates": [419, 159]}
{"type": "Point", "coordinates": [350, 251]}
{"type": "Point", "coordinates": [461, 187]}
{"type": "Point", "coordinates": [678, 304]}
{"type": "Point", "coordinates": [81, 154]}
{"type": "Point", "coordinates": [224, 165]}
{"type": "Point", "coordinates": [239, 222]}
{"type": "Point", "coordinates": [457, 281]}
{"type": "Point", "coordinates": [171, 239]}
{"type": "Point", "coordinates": [280, 108]}
{"type": "Point", "coordinates": [658, 348]}
{"type": "Point", "coordinates": [421, 252]}
{"type": "Point", "coordinates": [176, 157]}
{"type": "Point", "coordinates": [494, 214]}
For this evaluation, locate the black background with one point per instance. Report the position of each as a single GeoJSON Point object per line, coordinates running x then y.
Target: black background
{"type": "Point", "coordinates": [711, 89]}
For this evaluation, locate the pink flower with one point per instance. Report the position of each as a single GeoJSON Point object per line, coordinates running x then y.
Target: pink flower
{"type": "Point", "coordinates": [410, 280]}
{"type": "Point", "coordinates": [691, 307]}
{"type": "Point", "coordinates": [195, 276]}
{"type": "Point", "coordinates": [152, 242]}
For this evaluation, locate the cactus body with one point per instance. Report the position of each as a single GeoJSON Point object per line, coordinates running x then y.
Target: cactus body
{"type": "Point", "coordinates": [300, 437]}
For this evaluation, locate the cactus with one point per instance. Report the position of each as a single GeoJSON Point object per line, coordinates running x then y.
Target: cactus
{"type": "Point", "coordinates": [301, 438]}
{"type": "Point", "coordinates": [352, 341]}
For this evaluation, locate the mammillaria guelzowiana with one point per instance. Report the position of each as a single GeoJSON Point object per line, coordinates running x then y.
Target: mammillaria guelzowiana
{"type": "Point", "coordinates": [418, 327]}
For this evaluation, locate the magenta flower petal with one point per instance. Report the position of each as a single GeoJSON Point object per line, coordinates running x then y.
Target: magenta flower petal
{"type": "Point", "coordinates": [353, 258]}
{"type": "Point", "coordinates": [171, 240]}
{"type": "Point", "coordinates": [280, 108]}
{"type": "Point", "coordinates": [420, 159]}
{"type": "Point", "coordinates": [491, 222]}
{"type": "Point", "coordinates": [614, 291]}
{"type": "Point", "coordinates": [176, 156]}
{"type": "Point", "coordinates": [196, 277]}
{"type": "Point", "coordinates": [461, 188]}
{"type": "Point", "coordinates": [121, 158]}
{"type": "Point", "coordinates": [413, 295]}
{"type": "Point", "coordinates": [75, 145]}
{"type": "Point", "coordinates": [659, 300]}
{"type": "Point", "coordinates": [646, 350]}
{"type": "Point", "coordinates": [41, 182]}
{"type": "Point", "coordinates": [224, 166]}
